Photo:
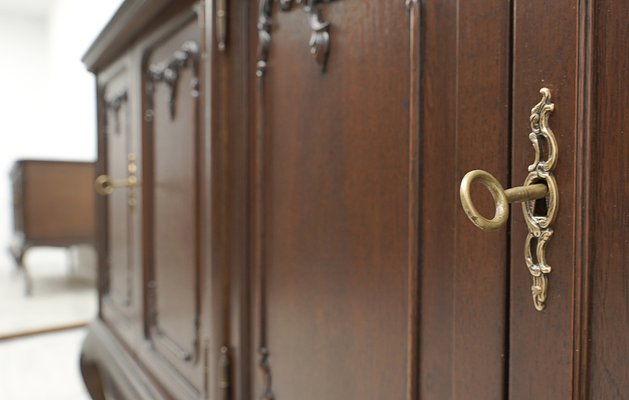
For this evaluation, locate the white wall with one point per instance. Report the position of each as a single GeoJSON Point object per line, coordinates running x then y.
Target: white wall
{"type": "Point", "coordinates": [47, 99]}
{"type": "Point", "coordinates": [73, 25]}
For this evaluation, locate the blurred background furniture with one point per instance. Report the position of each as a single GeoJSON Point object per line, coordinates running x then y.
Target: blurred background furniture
{"type": "Point", "coordinates": [53, 205]}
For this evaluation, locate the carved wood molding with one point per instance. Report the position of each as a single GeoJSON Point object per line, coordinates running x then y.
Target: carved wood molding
{"type": "Point", "coordinates": [319, 38]}
{"type": "Point", "coordinates": [114, 105]}
{"type": "Point", "coordinates": [265, 365]}
{"type": "Point", "coordinates": [169, 71]}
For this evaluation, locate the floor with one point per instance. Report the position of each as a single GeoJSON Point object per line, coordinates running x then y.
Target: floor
{"type": "Point", "coordinates": [45, 366]}
{"type": "Point", "coordinates": [42, 367]}
{"type": "Point", "coordinates": [63, 291]}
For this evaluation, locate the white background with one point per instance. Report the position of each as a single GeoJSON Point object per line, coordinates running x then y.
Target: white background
{"type": "Point", "coordinates": [47, 99]}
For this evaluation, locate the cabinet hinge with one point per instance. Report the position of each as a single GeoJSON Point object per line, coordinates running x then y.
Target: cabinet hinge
{"type": "Point", "coordinates": [206, 369]}
{"type": "Point", "coordinates": [221, 24]}
{"type": "Point", "coordinates": [224, 379]}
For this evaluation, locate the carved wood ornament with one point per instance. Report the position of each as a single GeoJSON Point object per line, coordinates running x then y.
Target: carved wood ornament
{"type": "Point", "coordinates": [114, 105]}
{"type": "Point", "coordinates": [319, 39]}
{"type": "Point", "coordinates": [169, 71]}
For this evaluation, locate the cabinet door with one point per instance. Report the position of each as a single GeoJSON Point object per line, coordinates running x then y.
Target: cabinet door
{"type": "Point", "coordinates": [494, 323]}
{"type": "Point", "coordinates": [120, 149]}
{"type": "Point", "coordinates": [334, 201]}
{"type": "Point", "coordinates": [366, 123]}
{"type": "Point", "coordinates": [173, 189]}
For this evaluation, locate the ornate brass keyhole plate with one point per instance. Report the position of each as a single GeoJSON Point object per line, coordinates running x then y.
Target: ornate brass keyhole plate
{"type": "Point", "coordinates": [539, 185]}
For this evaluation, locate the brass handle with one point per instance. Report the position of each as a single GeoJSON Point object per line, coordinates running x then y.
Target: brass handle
{"type": "Point", "coordinates": [105, 186]}
{"type": "Point", "coordinates": [502, 197]}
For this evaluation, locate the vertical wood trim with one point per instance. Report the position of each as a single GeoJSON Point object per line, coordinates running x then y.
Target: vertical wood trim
{"type": "Point", "coordinates": [208, 322]}
{"type": "Point", "coordinates": [217, 147]}
{"type": "Point", "coordinates": [130, 213]}
{"type": "Point", "coordinates": [199, 158]}
{"type": "Point", "coordinates": [102, 228]}
{"type": "Point", "coordinates": [244, 390]}
{"type": "Point", "coordinates": [258, 224]}
{"type": "Point", "coordinates": [223, 162]}
{"type": "Point", "coordinates": [582, 294]}
{"type": "Point", "coordinates": [542, 344]}
{"type": "Point", "coordinates": [464, 126]}
{"type": "Point", "coordinates": [258, 239]}
{"type": "Point", "coordinates": [235, 59]}
{"type": "Point", "coordinates": [230, 294]}
{"type": "Point", "coordinates": [147, 200]}
{"type": "Point", "coordinates": [607, 376]}
{"type": "Point", "coordinates": [413, 200]}
{"type": "Point", "coordinates": [509, 225]}
{"type": "Point", "coordinates": [435, 290]}
{"type": "Point", "coordinates": [214, 297]}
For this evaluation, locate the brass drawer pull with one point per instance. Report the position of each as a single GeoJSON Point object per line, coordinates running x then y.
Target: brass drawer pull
{"type": "Point", "coordinates": [539, 184]}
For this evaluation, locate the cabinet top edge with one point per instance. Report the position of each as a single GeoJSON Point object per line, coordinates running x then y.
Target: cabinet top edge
{"type": "Point", "coordinates": [126, 25]}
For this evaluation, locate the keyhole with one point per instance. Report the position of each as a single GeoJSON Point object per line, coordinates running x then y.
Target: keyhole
{"type": "Point", "coordinates": [540, 206]}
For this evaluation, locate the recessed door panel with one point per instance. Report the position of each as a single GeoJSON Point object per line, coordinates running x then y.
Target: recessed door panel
{"type": "Point", "coordinates": [119, 147]}
{"type": "Point", "coordinates": [121, 305]}
{"type": "Point", "coordinates": [334, 188]}
{"type": "Point", "coordinates": [172, 135]}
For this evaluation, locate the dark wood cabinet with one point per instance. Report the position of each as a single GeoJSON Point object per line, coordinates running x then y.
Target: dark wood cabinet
{"type": "Point", "coordinates": [53, 205]}
{"type": "Point", "coordinates": [281, 214]}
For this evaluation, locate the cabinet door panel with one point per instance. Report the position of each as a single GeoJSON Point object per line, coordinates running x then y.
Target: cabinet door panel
{"type": "Point", "coordinates": [120, 252]}
{"type": "Point", "coordinates": [545, 354]}
{"type": "Point", "coordinates": [120, 299]}
{"type": "Point", "coordinates": [333, 205]}
{"type": "Point", "coordinates": [172, 138]}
